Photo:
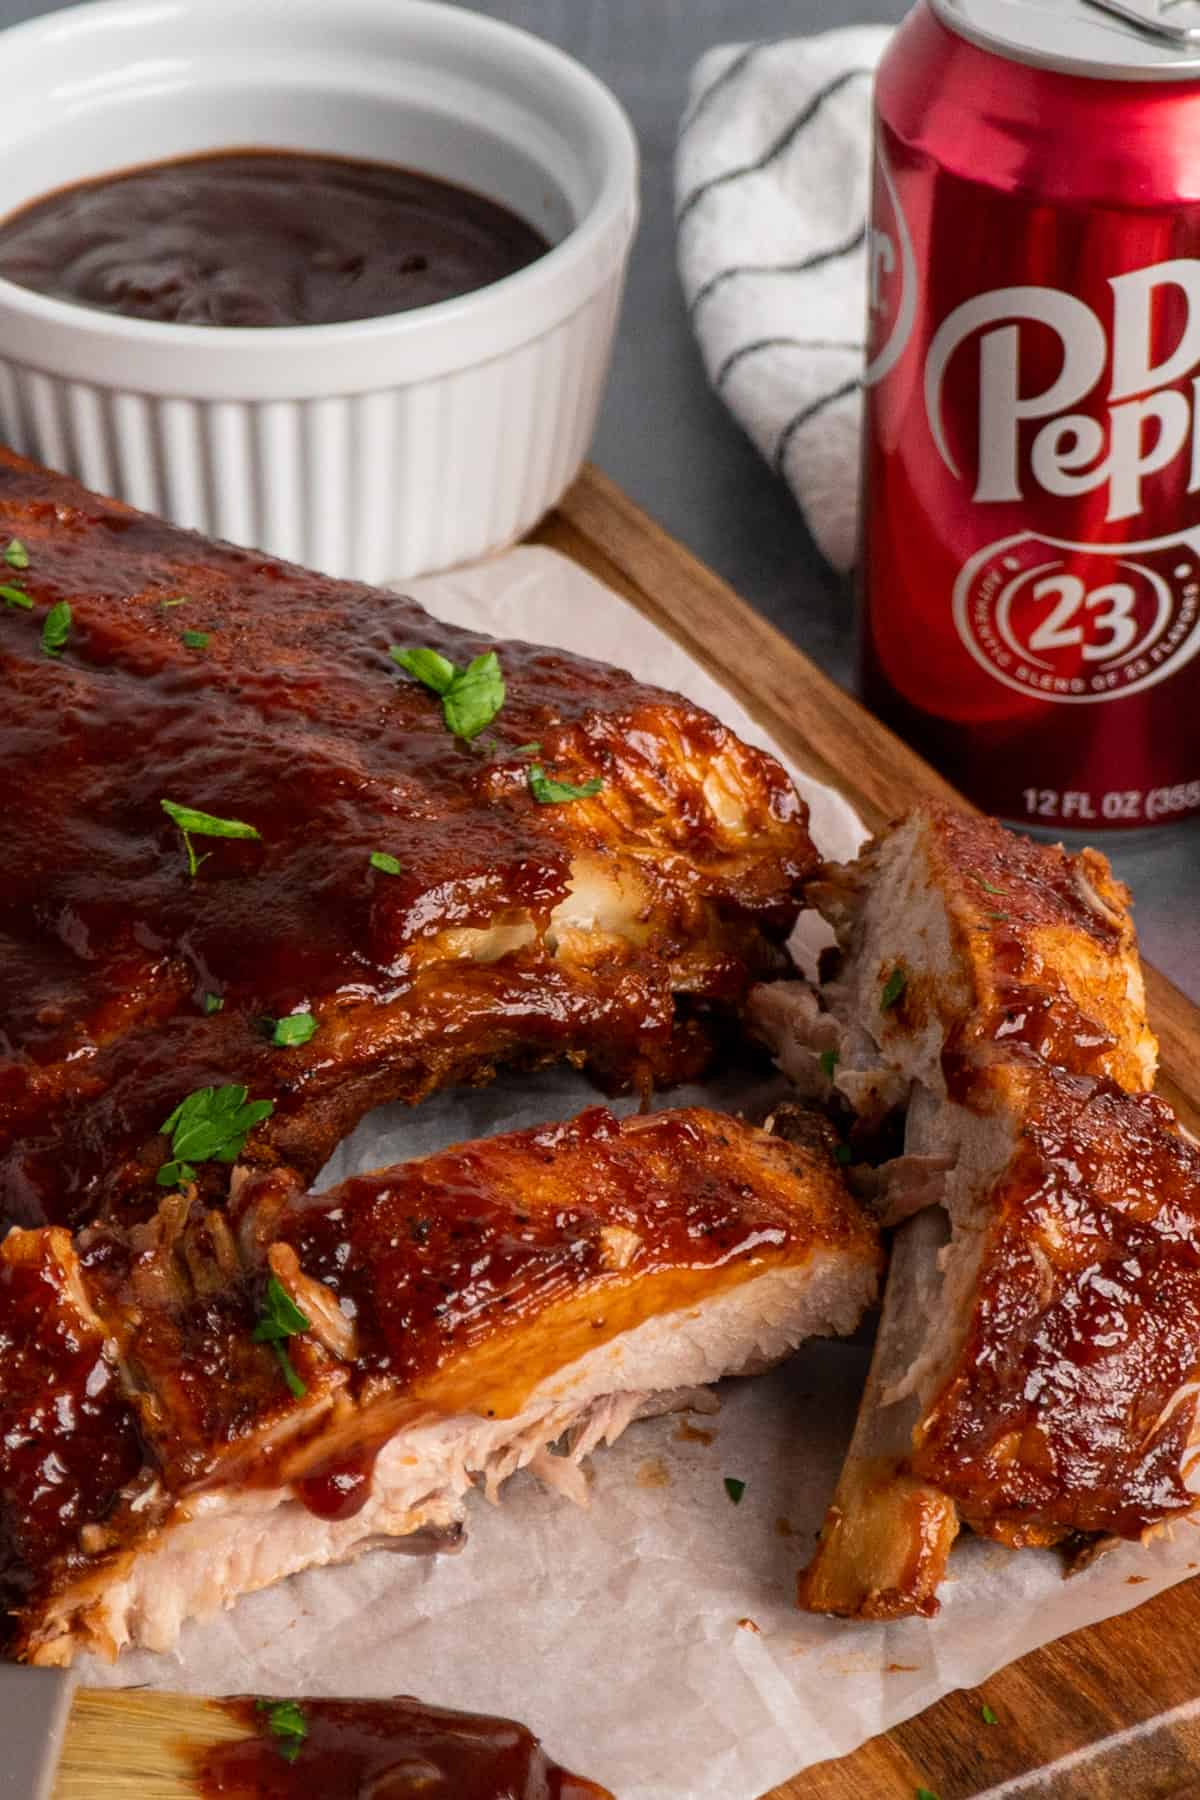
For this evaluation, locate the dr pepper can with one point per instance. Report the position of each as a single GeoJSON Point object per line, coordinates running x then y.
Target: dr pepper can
{"type": "Point", "coordinates": [1031, 479]}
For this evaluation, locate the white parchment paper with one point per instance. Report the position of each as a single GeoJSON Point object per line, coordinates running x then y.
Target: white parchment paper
{"type": "Point", "coordinates": [652, 1640]}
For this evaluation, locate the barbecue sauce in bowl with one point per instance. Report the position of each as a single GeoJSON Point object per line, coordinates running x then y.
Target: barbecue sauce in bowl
{"type": "Point", "coordinates": [263, 238]}
{"type": "Point", "coordinates": [381, 1749]}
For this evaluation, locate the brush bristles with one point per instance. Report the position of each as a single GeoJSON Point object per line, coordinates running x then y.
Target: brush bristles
{"type": "Point", "coordinates": [137, 1743]}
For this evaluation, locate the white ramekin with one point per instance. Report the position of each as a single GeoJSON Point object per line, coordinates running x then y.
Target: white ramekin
{"type": "Point", "coordinates": [387, 447]}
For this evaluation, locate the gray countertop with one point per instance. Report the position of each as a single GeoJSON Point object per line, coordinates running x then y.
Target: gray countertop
{"type": "Point", "coordinates": [670, 442]}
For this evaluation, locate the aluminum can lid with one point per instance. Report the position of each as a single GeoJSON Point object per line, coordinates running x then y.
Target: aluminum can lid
{"type": "Point", "coordinates": [1113, 40]}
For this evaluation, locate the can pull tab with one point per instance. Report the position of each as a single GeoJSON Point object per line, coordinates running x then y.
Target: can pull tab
{"type": "Point", "coordinates": [1176, 20]}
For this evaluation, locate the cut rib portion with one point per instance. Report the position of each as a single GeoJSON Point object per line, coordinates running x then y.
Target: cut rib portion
{"type": "Point", "coordinates": [617, 929]}
{"type": "Point", "coordinates": [887, 1535]}
{"type": "Point", "coordinates": [1060, 1395]}
{"type": "Point", "coordinates": [991, 987]}
{"type": "Point", "coordinates": [1037, 1377]}
{"type": "Point", "coordinates": [462, 1315]}
{"type": "Point", "coordinates": [961, 942]}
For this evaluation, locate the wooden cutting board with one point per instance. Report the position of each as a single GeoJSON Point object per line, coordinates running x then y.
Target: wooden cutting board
{"type": "Point", "coordinates": [1110, 1711]}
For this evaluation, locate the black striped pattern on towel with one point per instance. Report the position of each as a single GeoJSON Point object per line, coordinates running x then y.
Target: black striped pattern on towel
{"type": "Point", "coordinates": [816, 260]}
{"type": "Point", "coordinates": [728, 75]}
{"type": "Point", "coordinates": [799, 419]}
{"type": "Point", "coordinates": [773, 188]}
{"type": "Point", "coordinates": [779, 343]}
{"type": "Point", "coordinates": [786, 138]}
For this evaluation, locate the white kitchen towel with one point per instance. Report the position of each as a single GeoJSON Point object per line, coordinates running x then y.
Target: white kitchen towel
{"type": "Point", "coordinates": [772, 181]}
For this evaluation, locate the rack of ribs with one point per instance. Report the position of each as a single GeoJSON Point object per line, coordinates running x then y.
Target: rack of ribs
{"type": "Point", "coordinates": [235, 1393]}
{"type": "Point", "coordinates": [1035, 1368]}
{"type": "Point", "coordinates": [599, 874]}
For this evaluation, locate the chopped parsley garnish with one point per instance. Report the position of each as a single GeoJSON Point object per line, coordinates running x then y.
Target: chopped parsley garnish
{"type": "Point", "coordinates": [175, 600]}
{"type": "Point", "coordinates": [203, 824]}
{"type": "Point", "coordinates": [15, 596]}
{"type": "Point", "coordinates": [828, 1060]}
{"type": "Point", "coordinates": [16, 555]}
{"type": "Point", "coordinates": [56, 628]}
{"type": "Point", "coordinates": [196, 640]}
{"type": "Point", "coordinates": [281, 1319]}
{"type": "Point", "coordinates": [553, 793]}
{"type": "Point", "coordinates": [471, 697]}
{"type": "Point", "coordinates": [925, 1794]}
{"type": "Point", "coordinates": [427, 666]}
{"type": "Point", "coordinates": [987, 885]}
{"type": "Point", "coordinates": [386, 864]}
{"type": "Point", "coordinates": [735, 1489]}
{"type": "Point", "coordinates": [1000, 918]}
{"type": "Point", "coordinates": [212, 1003]}
{"type": "Point", "coordinates": [286, 1721]}
{"type": "Point", "coordinates": [293, 1029]}
{"type": "Point", "coordinates": [893, 987]}
{"type": "Point", "coordinates": [475, 697]}
{"type": "Point", "coordinates": [843, 1155]}
{"type": "Point", "coordinates": [987, 1715]}
{"type": "Point", "coordinates": [211, 1125]}
{"type": "Point", "coordinates": [533, 749]}
{"type": "Point", "coordinates": [175, 1174]}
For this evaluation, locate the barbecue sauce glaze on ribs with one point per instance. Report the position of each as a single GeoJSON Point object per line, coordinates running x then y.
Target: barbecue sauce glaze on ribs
{"type": "Point", "coordinates": [617, 930]}
{"type": "Point", "coordinates": [459, 1315]}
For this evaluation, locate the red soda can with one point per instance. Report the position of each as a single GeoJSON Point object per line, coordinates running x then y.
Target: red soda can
{"type": "Point", "coordinates": [1031, 477]}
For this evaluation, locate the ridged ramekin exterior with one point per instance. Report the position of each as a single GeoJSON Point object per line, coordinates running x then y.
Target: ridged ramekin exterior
{"type": "Point", "coordinates": [384, 485]}
{"type": "Point", "coordinates": [382, 450]}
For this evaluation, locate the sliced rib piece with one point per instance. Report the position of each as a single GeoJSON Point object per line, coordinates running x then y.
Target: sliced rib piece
{"type": "Point", "coordinates": [959, 942]}
{"type": "Point", "coordinates": [1058, 1385]}
{"type": "Point", "coordinates": [972, 965]}
{"type": "Point", "coordinates": [887, 1534]}
{"type": "Point", "coordinates": [464, 1313]}
{"type": "Point", "coordinates": [615, 929]}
